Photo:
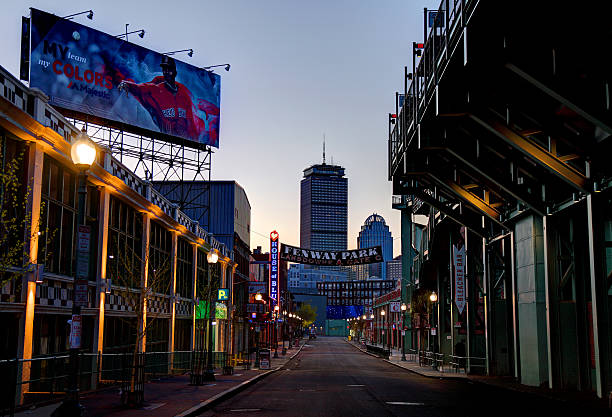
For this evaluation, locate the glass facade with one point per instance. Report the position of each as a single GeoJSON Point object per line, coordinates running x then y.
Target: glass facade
{"type": "Point", "coordinates": [375, 232]}
{"type": "Point", "coordinates": [324, 208]}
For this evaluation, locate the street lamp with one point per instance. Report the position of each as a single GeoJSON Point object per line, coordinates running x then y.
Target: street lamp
{"type": "Point", "coordinates": [433, 297]}
{"type": "Point", "coordinates": [403, 307]}
{"type": "Point", "coordinates": [258, 297]}
{"type": "Point", "coordinates": [382, 313]}
{"type": "Point", "coordinates": [209, 374]}
{"type": "Point", "coordinates": [276, 309]}
{"type": "Point", "coordinates": [83, 153]}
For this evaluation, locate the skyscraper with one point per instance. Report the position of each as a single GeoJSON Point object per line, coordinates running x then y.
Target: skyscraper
{"type": "Point", "coordinates": [375, 232]}
{"type": "Point", "coordinates": [324, 207]}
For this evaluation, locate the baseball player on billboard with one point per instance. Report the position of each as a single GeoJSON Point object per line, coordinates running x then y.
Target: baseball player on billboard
{"type": "Point", "coordinates": [172, 107]}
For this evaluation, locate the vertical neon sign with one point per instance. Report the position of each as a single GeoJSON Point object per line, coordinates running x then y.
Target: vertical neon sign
{"type": "Point", "coordinates": [274, 268]}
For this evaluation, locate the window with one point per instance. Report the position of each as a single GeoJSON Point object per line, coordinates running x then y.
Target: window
{"type": "Point", "coordinates": [124, 246]}
{"type": "Point", "coordinates": [58, 217]}
{"type": "Point", "coordinates": [160, 246]}
{"type": "Point", "coordinates": [184, 268]}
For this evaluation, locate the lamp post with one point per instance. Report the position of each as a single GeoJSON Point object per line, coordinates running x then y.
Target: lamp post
{"type": "Point", "coordinates": [403, 308]}
{"type": "Point", "coordinates": [258, 297]}
{"type": "Point", "coordinates": [83, 153]}
{"type": "Point", "coordinates": [382, 314]}
{"type": "Point", "coordinates": [209, 374]}
{"type": "Point", "coordinates": [284, 331]}
{"type": "Point", "coordinates": [372, 328]}
{"type": "Point", "coordinates": [433, 297]}
{"type": "Point", "coordinates": [276, 310]}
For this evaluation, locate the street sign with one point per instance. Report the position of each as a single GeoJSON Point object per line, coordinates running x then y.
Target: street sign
{"type": "Point", "coordinates": [223, 294]}
{"type": "Point", "coordinates": [75, 331]}
{"type": "Point", "coordinates": [258, 287]}
{"type": "Point", "coordinates": [80, 293]}
{"type": "Point", "coordinates": [84, 234]}
{"type": "Point", "coordinates": [264, 359]}
{"type": "Point", "coordinates": [255, 308]}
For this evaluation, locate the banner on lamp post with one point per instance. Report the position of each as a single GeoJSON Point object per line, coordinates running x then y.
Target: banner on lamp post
{"type": "Point", "coordinates": [459, 288]}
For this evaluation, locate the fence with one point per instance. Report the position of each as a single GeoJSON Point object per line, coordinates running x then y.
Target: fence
{"type": "Point", "coordinates": [439, 361]}
{"type": "Point", "coordinates": [46, 378]}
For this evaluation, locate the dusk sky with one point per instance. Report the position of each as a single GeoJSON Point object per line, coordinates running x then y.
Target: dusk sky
{"type": "Point", "coordinates": [300, 70]}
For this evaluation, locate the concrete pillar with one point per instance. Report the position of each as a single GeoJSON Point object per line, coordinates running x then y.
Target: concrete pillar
{"type": "Point", "coordinates": [28, 296]}
{"type": "Point", "coordinates": [142, 321]}
{"type": "Point", "coordinates": [599, 383]}
{"type": "Point", "coordinates": [194, 282]}
{"type": "Point", "coordinates": [103, 217]}
{"type": "Point", "coordinates": [407, 280]}
{"type": "Point", "coordinates": [172, 291]}
{"type": "Point", "coordinates": [531, 303]}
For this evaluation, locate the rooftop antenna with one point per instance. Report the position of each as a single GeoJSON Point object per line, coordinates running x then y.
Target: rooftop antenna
{"type": "Point", "coordinates": [332, 159]}
{"type": "Point", "coordinates": [323, 148]}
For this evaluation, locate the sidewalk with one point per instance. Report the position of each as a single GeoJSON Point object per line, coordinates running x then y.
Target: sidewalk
{"type": "Point", "coordinates": [505, 382]}
{"type": "Point", "coordinates": [173, 396]}
{"type": "Point", "coordinates": [411, 364]}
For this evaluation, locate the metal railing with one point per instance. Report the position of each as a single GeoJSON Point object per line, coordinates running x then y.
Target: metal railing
{"type": "Point", "coordinates": [442, 39]}
{"type": "Point", "coordinates": [28, 382]}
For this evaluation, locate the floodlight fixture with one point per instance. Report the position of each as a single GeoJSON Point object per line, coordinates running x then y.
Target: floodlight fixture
{"type": "Point", "coordinates": [90, 14]}
{"type": "Point", "coordinates": [227, 67]}
{"type": "Point", "coordinates": [189, 52]}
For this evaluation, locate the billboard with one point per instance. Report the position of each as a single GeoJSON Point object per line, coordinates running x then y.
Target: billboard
{"type": "Point", "coordinates": [88, 72]}
{"type": "Point", "coordinates": [334, 258]}
{"type": "Point", "coordinates": [343, 312]}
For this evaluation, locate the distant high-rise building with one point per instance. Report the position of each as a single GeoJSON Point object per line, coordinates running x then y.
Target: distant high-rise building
{"type": "Point", "coordinates": [324, 208]}
{"type": "Point", "coordinates": [375, 232]}
{"type": "Point", "coordinates": [304, 278]}
{"type": "Point", "coordinates": [394, 269]}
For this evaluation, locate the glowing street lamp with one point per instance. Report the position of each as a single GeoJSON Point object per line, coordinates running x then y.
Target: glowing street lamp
{"type": "Point", "coordinates": [209, 374]}
{"type": "Point", "coordinates": [258, 297]}
{"type": "Point", "coordinates": [433, 297]}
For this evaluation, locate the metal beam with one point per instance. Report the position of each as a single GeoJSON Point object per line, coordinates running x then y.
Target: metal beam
{"type": "Point", "coordinates": [470, 198]}
{"type": "Point", "coordinates": [550, 92]}
{"type": "Point", "coordinates": [503, 185]}
{"type": "Point", "coordinates": [438, 205]}
{"type": "Point", "coordinates": [535, 152]}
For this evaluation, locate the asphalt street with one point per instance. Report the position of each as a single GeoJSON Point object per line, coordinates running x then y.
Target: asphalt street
{"type": "Point", "coordinates": [331, 378]}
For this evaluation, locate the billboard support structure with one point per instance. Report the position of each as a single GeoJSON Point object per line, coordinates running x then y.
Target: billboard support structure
{"type": "Point", "coordinates": [160, 160]}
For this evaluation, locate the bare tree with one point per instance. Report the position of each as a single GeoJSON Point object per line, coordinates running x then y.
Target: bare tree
{"type": "Point", "coordinates": [136, 292]}
{"type": "Point", "coordinates": [16, 228]}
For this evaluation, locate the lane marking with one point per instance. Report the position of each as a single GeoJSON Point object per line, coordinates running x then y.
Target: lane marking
{"type": "Point", "coordinates": [355, 385]}
{"type": "Point", "coordinates": [245, 410]}
{"type": "Point", "coordinates": [403, 403]}
{"type": "Point", "coordinates": [153, 406]}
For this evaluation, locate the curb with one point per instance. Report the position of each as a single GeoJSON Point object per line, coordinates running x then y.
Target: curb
{"type": "Point", "coordinates": [199, 408]}
{"type": "Point", "coordinates": [453, 378]}
{"type": "Point", "coordinates": [467, 379]}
